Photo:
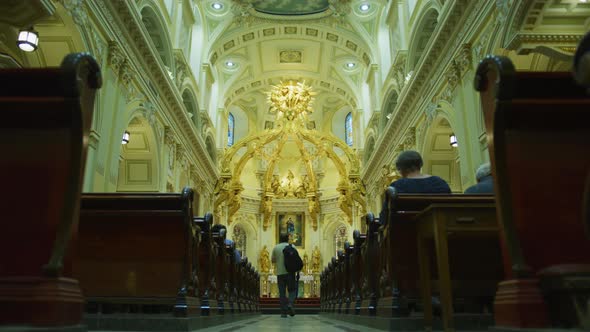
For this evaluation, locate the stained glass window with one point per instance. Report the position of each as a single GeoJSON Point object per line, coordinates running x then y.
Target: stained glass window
{"type": "Point", "coordinates": [348, 128]}
{"type": "Point", "coordinates": [230, 130]}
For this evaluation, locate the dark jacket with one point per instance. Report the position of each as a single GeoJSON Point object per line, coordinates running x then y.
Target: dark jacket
{"type": "Point", "coordinates": [484, 186]}
{"type": "Point", "coordinates": [430, 185]}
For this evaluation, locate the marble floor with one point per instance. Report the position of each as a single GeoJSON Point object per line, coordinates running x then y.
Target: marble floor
{"type": "Point", "coordinates": [298, 323]}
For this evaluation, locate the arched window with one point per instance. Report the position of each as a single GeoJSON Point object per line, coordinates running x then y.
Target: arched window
{"type": "Point", "coordinates": [230, 130]}
{"type": "Point", "coordinates": [239, 238]}
{"type": "Point", "coordinates": [348, 128]}
{"type": "Point", "coordinates": [339, 239]}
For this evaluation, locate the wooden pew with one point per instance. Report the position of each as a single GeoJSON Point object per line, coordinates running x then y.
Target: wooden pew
{"type": "Point", "coordinates": [246, 285]}
{"type": "Point", "coordinates": [241, 287]}
{"type": "Point", "coordinates": [348, 277]}
{"type": "Point", "coordinates": [332, 289]}
{"type": "Point", "coordinates": [358, 270]}
{"type": "Point", "coordinates": [587, 206]}
{"type": "Point", "coordinates": [206, 260]}
{"type": "Point", "coordinates": [137, 252]}
{"type": "Point", "coordinates": [538, 140]}
{"type": "Point", "coordinates": [413, 217]}
{"type": "Point", "coordinates": [371, 253]}
{"type": "Point", "coordinates": [582, 75]}
{"type": "Point", "coordinates": [340, 281]}
{"type": "Point", "coordinates": [232, 277]}
{"type": "Point", "coordinates": [252, 288]}
{"type": "Point", "coordinates": [465, 234]}
{"type": "Point", "coordinates": [582, 62]}
{"type": "Point", "coordinates": [221, 266]}
{"type": "Point", "coordinates": [324, 290]}
{"type": "Point", "coordinates": [46, 120]}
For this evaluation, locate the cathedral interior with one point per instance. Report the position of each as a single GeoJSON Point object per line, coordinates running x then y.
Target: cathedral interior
{"type": "Point", "coordinates": [288, 116]}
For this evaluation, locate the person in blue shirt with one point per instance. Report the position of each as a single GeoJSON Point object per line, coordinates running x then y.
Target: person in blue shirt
{"type": "Point", "coordinates": [485, 181]}
{"type": "Point", "coordinates": [409, 164]}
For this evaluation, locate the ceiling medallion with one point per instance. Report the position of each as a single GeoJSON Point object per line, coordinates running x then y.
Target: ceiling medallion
{"type": "Point", "coordinates": [291, 9]}
{"type": "Point", "coordinates": [290, 56]}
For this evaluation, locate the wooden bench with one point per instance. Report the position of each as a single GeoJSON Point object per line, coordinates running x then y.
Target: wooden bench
{"type": "Point", "coordinates": [371, 257]}
{"type": "Point", "coordinates": [348, 275]}
{"type": "Point", "coordinates": [538, 140]}
{"type": "Point", "coordinates": [251, 287]}
{"type": "Point", "coordinates": [468, 260]}
{"type": "Point", "coordinates": [46, 120]}
{"type": "Point", "coordinates": [138, 252]}
{"type": "Point", "coordinates": [205, 258]}
{"type": "Point", "coordinates": [410, 217]}
{"type": "Point", "coordinates": [358, 271]}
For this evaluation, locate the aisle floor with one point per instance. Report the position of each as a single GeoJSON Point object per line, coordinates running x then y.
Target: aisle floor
{"type": "Point", "coordinates": [298, 323]}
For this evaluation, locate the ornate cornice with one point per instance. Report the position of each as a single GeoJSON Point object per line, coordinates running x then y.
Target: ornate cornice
{"type": "Point", "coordinates": [77, 9]}
{"type": "Point", "coordinates": [524, 42]}
{"type": "Point", "coordinates": [115, 57]}
{"type": "Point", "coordinates": [169, 138]}
{"type": "Point", "coordinates": [182, 69]}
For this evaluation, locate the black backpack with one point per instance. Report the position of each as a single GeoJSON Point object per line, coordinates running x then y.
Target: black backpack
{"type": "Point", "coordinates": [293, 262]}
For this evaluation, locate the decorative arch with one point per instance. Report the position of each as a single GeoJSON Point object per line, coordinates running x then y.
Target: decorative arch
{"type": "Point", "coordinates": [248, 229]}
{"type": "Point", "coordinates": [139, 166]}
{"type": "Point", "coordinates": [156, 29]}
{"type": "Point", "coordinates": [338, 123]}
{"type": "Point", "coordinates": [198, 39]}
{"type": "Point", "coordinates": [190, 104]}
{"type": "Point", "coordinates": [388, 108]}
{"type": "Point", "coordinates": [340, 238]}
{"type": "Point", "coordinates": [369, 147]}
{"type": "Point", "coordinates": [246, 238]}
{"type": "Point", "coordinates": [422, 33]}
{"type": "Point", "coordinates": [241, 122]}
{"type": "Point", "coordinates": [334, 224]}
{"type": "Point", "coordinates": [211, 150]}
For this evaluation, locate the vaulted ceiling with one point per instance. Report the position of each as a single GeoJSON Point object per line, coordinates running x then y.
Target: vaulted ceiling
{"type": "Point", "coordinates": [255, 44]}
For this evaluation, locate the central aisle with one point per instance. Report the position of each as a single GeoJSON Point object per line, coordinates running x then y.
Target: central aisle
{"type": "Point", "coordinates": [298, 323]}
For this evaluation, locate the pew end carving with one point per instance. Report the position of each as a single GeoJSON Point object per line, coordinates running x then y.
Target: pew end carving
{"type": "Point", "coordinates": [527, 114]}
{"type": "Point", "coordinates": [47, 114]}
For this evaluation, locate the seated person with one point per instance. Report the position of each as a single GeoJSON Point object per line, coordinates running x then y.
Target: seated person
{"type": "Point", "coordinates": [216, 229]}
{"type": "Point", "coordinates": [408, 164]}
{"type": "Point", "coordinates": [485, 182]}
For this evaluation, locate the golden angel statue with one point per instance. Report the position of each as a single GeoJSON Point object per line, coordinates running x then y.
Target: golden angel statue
{"type": "Point", "coordinates": [264, 260]}
{"type": "Point", "coordinates": [316, 260]}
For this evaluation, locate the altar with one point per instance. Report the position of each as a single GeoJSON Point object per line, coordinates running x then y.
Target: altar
{"type": "Point", "coordinates": [308, 285]}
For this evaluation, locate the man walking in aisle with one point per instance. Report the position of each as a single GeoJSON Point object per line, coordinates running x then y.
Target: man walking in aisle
{"type": "Point", "coordinates": [285, 279]}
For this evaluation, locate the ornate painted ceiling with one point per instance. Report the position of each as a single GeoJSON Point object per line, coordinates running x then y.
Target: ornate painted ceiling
{"type": "Point", "coordinates": [291, 7]}
{"type": "Point", "coordinates": [328, 44]}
